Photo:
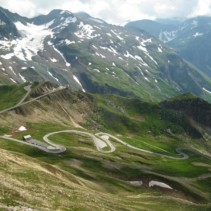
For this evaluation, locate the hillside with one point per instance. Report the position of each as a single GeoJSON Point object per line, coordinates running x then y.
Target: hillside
{"type": "Point", "coordinates": [160, 145]}
{"type": "Point", "coordinates": [90, 55]}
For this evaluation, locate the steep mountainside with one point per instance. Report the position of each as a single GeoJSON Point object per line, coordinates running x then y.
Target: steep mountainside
{"type": "Point", "coordinates": [88, 54]}
{"type": "Point", "coordinates": [190, 38]}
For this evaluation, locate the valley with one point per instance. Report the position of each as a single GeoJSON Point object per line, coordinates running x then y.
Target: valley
{"type": "Point", "coordinates": [104, 166]}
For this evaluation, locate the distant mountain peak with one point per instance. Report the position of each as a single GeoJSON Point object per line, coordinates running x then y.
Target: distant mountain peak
{"type": "Point", "coordinates": [60, 12]}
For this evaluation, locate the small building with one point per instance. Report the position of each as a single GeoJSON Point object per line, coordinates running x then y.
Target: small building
{"type": "Point", "coordinates": [21, 129]}
{"type": "Point", "coordinates": [27, 137]}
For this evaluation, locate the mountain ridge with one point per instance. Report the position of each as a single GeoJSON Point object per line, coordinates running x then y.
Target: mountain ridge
{"type": "Point", "coordinates": [91, 55]}
{"type": "Point", "coordinates": [190, 38]}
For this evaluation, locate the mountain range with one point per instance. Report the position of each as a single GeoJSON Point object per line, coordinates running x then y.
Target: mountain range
{"type": "Point", "coordinates": [91, 55]}
{"type": "Point", "coordinates": [190, 38]}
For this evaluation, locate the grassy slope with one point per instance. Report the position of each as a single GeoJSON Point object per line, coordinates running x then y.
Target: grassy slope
{"type": "Point", "coordinates": [84, 179]}
{"type": "Point", "coordinates": [172, 78]}
{"type": "Point", "coordinates": [10, 95]}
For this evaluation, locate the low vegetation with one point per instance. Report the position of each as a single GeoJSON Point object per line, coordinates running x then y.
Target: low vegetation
{"type": "Point", "coordinates": [10, 95]}
{"type": "Point", "coordinates": [83, 178]}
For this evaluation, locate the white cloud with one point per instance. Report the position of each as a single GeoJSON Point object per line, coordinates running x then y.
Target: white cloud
{"type": "Point", "coordinates": [114, 11]}
{"type": "Point", "coordinates": [202, 8]}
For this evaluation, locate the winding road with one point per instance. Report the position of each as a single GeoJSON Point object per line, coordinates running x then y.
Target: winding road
{"type": "Point", "coordinates": [98, 141]}
{"type": "Point", "coordinates": [28, 89]}
{"type": "Point", "coordinates": [101, 141]}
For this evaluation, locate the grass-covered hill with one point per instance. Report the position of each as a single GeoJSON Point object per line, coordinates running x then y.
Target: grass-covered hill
{"type": "Point", "coordinates": [83, 178]}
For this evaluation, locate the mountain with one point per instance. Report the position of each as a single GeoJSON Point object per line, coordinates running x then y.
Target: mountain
{"type": "Point", "coordinates": [191, 38]}
{"type": "Point", "coordinates": [170, 21]}
{"type": "Point", "coordinates": [154, 28]}
{"type": "Point", "coordinates": [163, 156]}
{"type": "Point", "coordinates": [88, 54]}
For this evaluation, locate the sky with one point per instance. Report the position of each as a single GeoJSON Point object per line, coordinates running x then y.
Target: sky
{"type": "Point", "coordinates": [114, 11]}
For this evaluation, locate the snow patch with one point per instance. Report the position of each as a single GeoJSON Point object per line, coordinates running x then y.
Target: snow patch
{"type": "Point", "coordinates": [12, 70]}
{"type": "Point", "coordinates": [160, 50]}
{"type": "Point", "coordinates": [146, 79]}
{"type": "Point", "coordinates": [129, 55]}
{"type": "Point", "coordinates": [99, 54]}
{"type": "Point", "coordinates": [29, 44]}
{"type": "Point", "coordinates": [7, 56]}
{"type": "Point", "coordinates": [207, 91]}
{"type": "Point", "coordinates": [146, 70]}
{"type": "Point", "coordinates": [117, 35]}
{"type": "Point", "coordinates": [22, 78]}
{"type": "Point", "coordinates": [65, 12]}
{"type": "Point", "coordinates": [140, 59]}
{"type": "Point", "coordinates": [66, 22]}
{"type": "Point", "coordinates": [198, 34]}
{"type": "Point", "coordinates": [151, 58]}
{"type": "Point", "coordinates": [97, 70]}
{"type": "Point", "coordinates": [94, 47]}
{"type": "Point", "coordinates": [160, 184]}
{"type": "Point", "coordinates": [67, 63]}
{"type": "Point", "coordinates": [85, 31]}
{"type": "Point", "coordinates": [32, 40]}
{"type": "Point", "coordinates": [13, 80]}
{"type": "Point", "coordinates": [53, 60]}
{"type": "Point", "coordinates": [76, 79]}
{"type": "Point", "coordinates": [167, 36]}
{"type": "Point", "coordinates": [68, 42]}
{"type": "Point", "coordinates": [142, 48]}
{"type": "Point", "coordinates": [49, 43]}
{"type": "Point", "coordinates": [111, 49]}
{"type": "Point", "coordinates": [53, 76]}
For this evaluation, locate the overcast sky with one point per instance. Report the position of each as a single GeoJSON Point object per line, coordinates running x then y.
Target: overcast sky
{"type": "Point", "coordinates": [114, 11]}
